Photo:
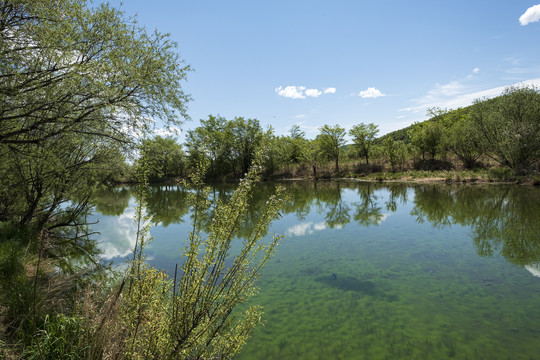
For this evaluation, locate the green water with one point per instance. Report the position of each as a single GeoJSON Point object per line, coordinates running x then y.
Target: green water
{"type": "Point", "coordinates": [371, 271]}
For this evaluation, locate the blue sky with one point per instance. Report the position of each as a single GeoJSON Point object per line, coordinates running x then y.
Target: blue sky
{"type": "Point", "coordinates": [345, 62]}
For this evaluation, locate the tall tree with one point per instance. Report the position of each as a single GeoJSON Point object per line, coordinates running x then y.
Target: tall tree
{"type": "Point", "coordinates": [465, 141]}
{"type": "Point", "coordinates": [331, 140]}
{"type": "Point", "coordinates": [212, 140]}
{"type": "Point", "coordinates": [163, 157]}
{"type": "Point", "coordinates": [70, 69]}
{"type": "Point", "coordinates": [510, 124]}
{"type": "Point", "coordinates": [77, 85]}
{"type": "Point", "coordinates": [312, 154]}
{"type": "Point", "coordinates": [246, 138]}
{"type": "Point", "coordinates": [391, 151]}
{"type": "Point", "coordinates": [363, 136]}
{"type": "Point", "coordinates": [296, 144]}
{"type": "Point", "coordinates": [76, 82]}
{"type": "Point", "coordinates": [426, 137]}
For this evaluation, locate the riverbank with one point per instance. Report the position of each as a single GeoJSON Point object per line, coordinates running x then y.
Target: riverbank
{"type": "Point", "coordinates": [447, 176]}
{"type": "Point", "coordinates": [480, 175]}
{"type": "Point", "coordinates": [483, 176]}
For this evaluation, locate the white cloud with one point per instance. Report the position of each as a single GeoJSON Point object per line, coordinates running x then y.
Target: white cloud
{"type": "Point", "coordinates": [313, 92]}
{"type": "Point", "coordinates": [165, 132]}
{"type": "Point", "coordinates": [292, 92]}
{"type": "Point", "coordinates": [474, 71]}
{"type": "Point", "coordinates": [534, 269]}
{"type": "Point", "coordinates": [370, 93]}
{"type": "Point", "coordinates": [450, 89]}
{"type": "Point", "coordinates": [383, 218]}
{"type": "Point", "coordinates": [300, 116]}
{"type": "Point", "coordinates": [455, 94]}
{"type": "Point", "coordinates": [300, 229]}
{"type": "Point", "coordinates": [305, 228]}
{"type": "Point", "coordinates": [300, 92]}
{"type": "Point", "coordinates": [531, 15]}
{"type": "Point", "coordinates": [118, 234]}
{"type": "Point", "coordinates": [319, 226]}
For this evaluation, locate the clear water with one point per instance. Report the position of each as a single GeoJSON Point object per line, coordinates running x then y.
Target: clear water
{"type": "Point", "coordinates": [370, 271]}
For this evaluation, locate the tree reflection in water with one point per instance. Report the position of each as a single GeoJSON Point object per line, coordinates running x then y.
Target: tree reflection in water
{"type": "Point", "coordinates": [503, 219]}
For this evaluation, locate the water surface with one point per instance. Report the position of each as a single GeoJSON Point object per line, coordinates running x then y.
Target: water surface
{"type": "Point", "coordinates": [370, 271]}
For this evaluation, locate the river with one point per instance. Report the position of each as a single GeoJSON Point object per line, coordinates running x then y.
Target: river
{"type": "Point", "coordinates": [374, 271]}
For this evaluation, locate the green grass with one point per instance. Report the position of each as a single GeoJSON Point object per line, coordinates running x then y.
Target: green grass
{"type": "Point", "coordinates": [495, 174]}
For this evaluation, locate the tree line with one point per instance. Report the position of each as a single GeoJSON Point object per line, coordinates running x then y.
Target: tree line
{"type": "Point", "coordinates": [504, 132]}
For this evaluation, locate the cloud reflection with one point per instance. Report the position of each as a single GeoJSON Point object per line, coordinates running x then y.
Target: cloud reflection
{"type": "Point", "coordinates": [118, 234]}
{"type": "Point", "coordinates": [305, 228]}
{"type": "Point", "coordinates": [534, 269]}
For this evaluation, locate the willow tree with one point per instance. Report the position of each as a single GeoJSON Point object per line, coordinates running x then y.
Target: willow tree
{"type": "Point", "coordinates": [510, 124]}
{"type": "Point", "coordinates": [71, 69]}
{"type": "Point", "coordinates": [78, 84]}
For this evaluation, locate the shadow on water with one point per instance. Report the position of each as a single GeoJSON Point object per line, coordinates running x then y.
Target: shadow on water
{"type": "Point", "coordinates": [359, 287]}
{"type": "Point", "coordinates": [348, 283]}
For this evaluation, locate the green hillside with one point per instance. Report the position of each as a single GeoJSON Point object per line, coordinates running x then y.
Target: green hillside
{"type": "Point", "coordinates": [445, 117]}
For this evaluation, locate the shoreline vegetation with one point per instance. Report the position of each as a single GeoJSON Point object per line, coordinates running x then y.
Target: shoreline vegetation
{"type": "Point", "coordinates": [475, 176]}
{"type": "Point", "coordinates": [449, 177]}
{"type": "Point", "coordinates": [493, 140]}
{"type": "Point", "coordinates": [83, 87]}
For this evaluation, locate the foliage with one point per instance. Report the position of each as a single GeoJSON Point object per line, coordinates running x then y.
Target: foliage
{"type": "Point", "coordinates": [164, 158]}
{"type": "Point", "coordinates": [363, 136]}
{"type": "Point", "coordinates": [211, 140]}
{"type": "Point", "coordinates": [70, 69]}
{"type": "Point", "coordinates": [463, 139]}
{"type": "Point", "coordinates": [510, 124]}
{"type": "Point", "coordinates": [313, 155]}
{"type": "Point", "coordinates": [331, 139]}
{"type": "Point", "coordinates": [449, 135]}
{"type": "Point", "coordinates": [396, 152]}
{"type": "Point", "coordinates": [247, 135]}
{"type": "Point", "coordinates": [229, 145]}
{"type": "Point", "coordinates": [502, 220]}
{"type": "Point", "coordinates": [77, 80]}
{"type": "Point", "coordinates": [296, 145]}
{"type": "Point", "coordinates": [79, 84]}
{"type": "Point", "coordinates": [16, 295]}
{"type": "Point", "coordinates": [426, 137]}
{"type": "Point", "coordinates": [193, 316]}
{"type": "Point", "coordinates": [62, 337]}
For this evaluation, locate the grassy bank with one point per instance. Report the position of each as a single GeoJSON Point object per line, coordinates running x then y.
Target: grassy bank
{"type": "Point", "coordinates": [430, 171]}
{"type": "Point", "coordinates": [453, 176]}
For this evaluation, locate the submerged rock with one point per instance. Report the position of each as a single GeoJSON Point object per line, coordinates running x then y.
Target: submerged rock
{"type": "Point", "coordinates": [348, 283]}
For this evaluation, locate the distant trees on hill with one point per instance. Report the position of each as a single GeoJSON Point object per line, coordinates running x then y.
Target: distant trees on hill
{"type": "Point", "coordinates": [504, 130]}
